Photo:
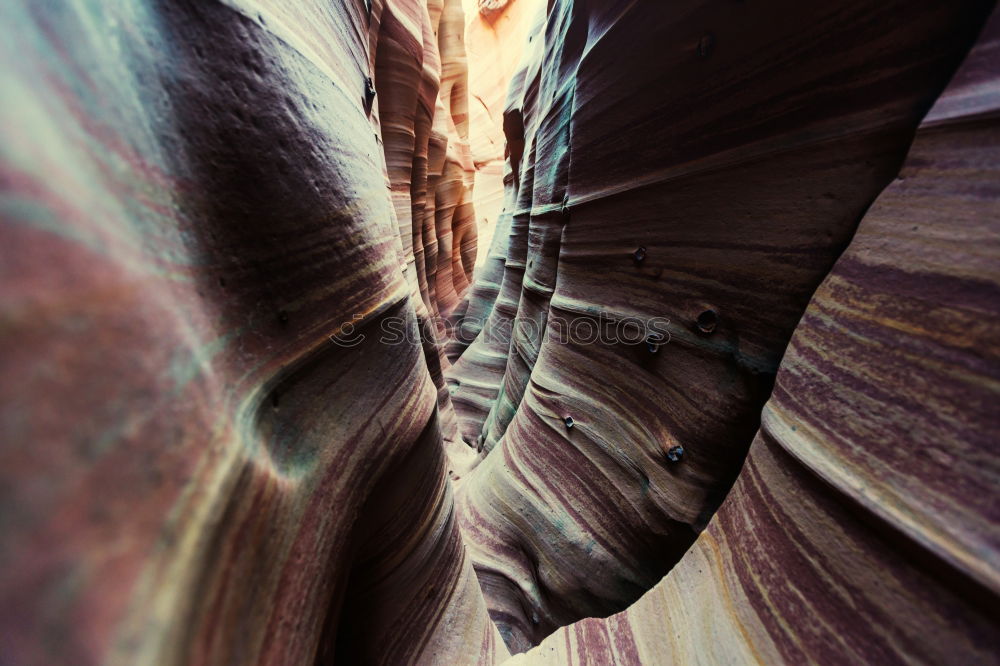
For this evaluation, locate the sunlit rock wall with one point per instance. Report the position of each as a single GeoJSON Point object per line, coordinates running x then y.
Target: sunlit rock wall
{"type": "Point", "coordinates": [700, 163]}
{"type": "Point", "coordinates": [482, 339]}
{"type": "Point", "coordinates": [495, 33]}
{"type": "Point", "coordinates": [421, 83]}
{"type": "Point", "coordinates": [194, 200]}
{"type": "Point", "coordinates": [864, 526]}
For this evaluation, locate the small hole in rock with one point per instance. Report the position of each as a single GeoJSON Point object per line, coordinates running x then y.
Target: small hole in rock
{"type": "Point", "coordinates": [705, 45]}
{"type": "Point", "coordinates": [369, 93]}
{"type": "Point", "coordinates": [707, 321]}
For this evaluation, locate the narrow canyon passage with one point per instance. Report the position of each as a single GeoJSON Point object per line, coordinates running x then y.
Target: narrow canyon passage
{"type": "Point", "coordinates": [499, 331]}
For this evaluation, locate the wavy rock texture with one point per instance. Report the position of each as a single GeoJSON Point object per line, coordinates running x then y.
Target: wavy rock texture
{"type": "Point", "coordinates": [494, 35]}
{"type": "Point", "coordinates": [193, 200]}
{"type": "Point", "coordinates": [755, 145]}
{"type": "Point", "coordinates": [864, 526]}
{"type": "Point", "coordinates": [475, 378]}
{"type": "Point", "coordinates": [452, 170]}
{"type": "Point", "coordinates": [494, 40]}
{"type": "Point", "coordinates": [198, 199]}
{"type": "Point", "coordinates": [421, 81]}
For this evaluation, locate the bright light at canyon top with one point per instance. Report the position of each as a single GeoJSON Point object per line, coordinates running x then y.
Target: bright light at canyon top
{"type": "Point", "coordinates": [496, 32]}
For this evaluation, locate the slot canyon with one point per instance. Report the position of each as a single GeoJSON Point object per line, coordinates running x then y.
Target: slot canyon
{"type": "Point", "coordinates": [499, 331]}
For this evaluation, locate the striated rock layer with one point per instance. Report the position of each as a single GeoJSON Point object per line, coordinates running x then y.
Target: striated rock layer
{"type": "Point", "coordinates": [705, 198]}
{"type": "Point", "coordinates": [193, 202]}
{"type": "Point", "coordinates": [420, 78]}
{"type": "Point", "coordinates": [863, 528]}
{"type": "Point", "coordinates": [242, 356]}
{"type": "Point", "coordinates": [494, 35]}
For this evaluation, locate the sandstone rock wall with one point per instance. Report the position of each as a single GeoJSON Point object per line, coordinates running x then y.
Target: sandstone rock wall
{"type": "Point", "coordinates": [863, 527]}
{"type": "Point", "coordinates": [757, 135]}
{"type": "Point", "coordinates": [194, 199]}
{"type": "Point", "coordinates": [228, 418]}
{"type": "Point", "coordinates": [421, 81]}
{"type": "Point", "coordinates": [495, 33]}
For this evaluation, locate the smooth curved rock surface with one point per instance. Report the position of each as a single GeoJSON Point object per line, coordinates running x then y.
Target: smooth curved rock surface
{"type": "Point", "coordinates": [757, 145]}
{"type": "Point", "coordinates": [420, 78]}
{"type": "Point", "coordinates": [864, 526]}
{"type": "Point", "coordinates": [193, 201]}
{"type": "Point", "coordinates": [216, 215]}
{"type": "Point", "coordinates": [486, 328]}
{"type": "Point", "coordinates": [494, 35]}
